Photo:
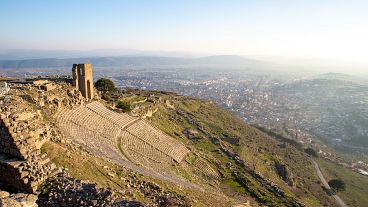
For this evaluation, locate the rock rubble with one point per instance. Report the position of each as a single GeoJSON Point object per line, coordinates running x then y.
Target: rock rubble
{"type": "Point", "coordinates": [17, 200]}
{"type": "Point", "coordinates": [63, 190]}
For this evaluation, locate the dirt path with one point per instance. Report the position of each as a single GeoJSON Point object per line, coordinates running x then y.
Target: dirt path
{"type": "Point", "coordinates": [325, 183]}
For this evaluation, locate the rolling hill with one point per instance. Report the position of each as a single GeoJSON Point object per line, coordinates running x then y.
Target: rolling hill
{"type": "Point", "coordinates": [137, 61]}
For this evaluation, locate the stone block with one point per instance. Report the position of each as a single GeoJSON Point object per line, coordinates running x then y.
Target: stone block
{"type": "Point", "coordinates": [4, 194]}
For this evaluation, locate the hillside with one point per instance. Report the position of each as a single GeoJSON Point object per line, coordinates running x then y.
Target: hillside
{"type": "Point", "coordinates": [244, 157]}
{"type": "Point", "coordinates": [261, 153]}
{"type": "Point", "coordinates": [105, 155]}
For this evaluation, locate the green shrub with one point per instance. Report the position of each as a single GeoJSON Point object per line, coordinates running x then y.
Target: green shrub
{"type": "Point", "coordinates": [337, 184]}
{"type": "Point", "coordinates": [125, 106]}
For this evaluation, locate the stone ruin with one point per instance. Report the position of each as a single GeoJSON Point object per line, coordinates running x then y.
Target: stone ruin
{"type": "Point", "coordinates": [4, 88]}
{"type": "Point", "coordinates": [22, 132]}
{"type": "Point", "coordinates": [44, 85]}
{"type": "Point", "coordinates": [83, 79]}
{"type": "Point", "coordinates": [25, 111]}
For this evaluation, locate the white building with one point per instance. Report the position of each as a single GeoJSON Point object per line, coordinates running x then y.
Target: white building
{"type": "Point", "coordinates": [363, 172]}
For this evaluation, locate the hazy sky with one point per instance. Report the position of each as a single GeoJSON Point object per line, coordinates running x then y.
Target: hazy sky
{"type": "Point", "coordinates": [332, 29]}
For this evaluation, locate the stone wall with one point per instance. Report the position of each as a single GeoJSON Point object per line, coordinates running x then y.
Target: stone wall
{"type": "Point", "coordinates": [21, 128]}
{"type": "Point", "coordinates": [22, 133]}
{"type": "Point", "coordinates": [9, 170]}
{"type": "Point", "coordinates": [26, 123]}
{"type": "Point", "coordinates": [26, 175]}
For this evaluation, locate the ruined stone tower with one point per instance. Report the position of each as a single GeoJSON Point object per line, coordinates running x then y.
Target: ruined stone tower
{"type": "Point", "coordinates": [83, 79]}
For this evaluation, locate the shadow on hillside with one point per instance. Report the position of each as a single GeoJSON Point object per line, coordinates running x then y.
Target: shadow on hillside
{"type": "Point", "coordinates": [125, 203]}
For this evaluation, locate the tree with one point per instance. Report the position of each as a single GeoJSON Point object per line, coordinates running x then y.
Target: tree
{"type": "Point", "coordinates": [105, 85]}
{"type": "Point", "coordinates": [125, 106]}
{"type": "Point", "coordinates": [311, 152]}
{"type": "Point", "coordinates": [337, 184]}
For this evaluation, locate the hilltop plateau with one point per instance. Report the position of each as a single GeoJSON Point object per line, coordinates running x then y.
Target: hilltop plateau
{"type": "Point", "coordinates": [163, 149]}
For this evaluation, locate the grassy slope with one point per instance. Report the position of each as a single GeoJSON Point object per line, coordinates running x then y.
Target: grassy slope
{"type": "Point", "coordinates": [86, 167]}
{"type": "Point", "coordinates": [356, 193]}
{"type": "Point", "coordinates": [253, 146]}
{"type": "Point", "coordinates": [256, 148]}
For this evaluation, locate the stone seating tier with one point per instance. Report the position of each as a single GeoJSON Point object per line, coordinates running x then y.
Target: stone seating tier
{"type": "Point", "coordinates": [131, 143]}
{"type": "Point", "coordinates": [119, 119]}
{"type": "Point", "coordinates": [205, 168]}
{"type": "Point", "coordinates": [166, 144]}
{"type": "Point", "coordinates": [94, 123]}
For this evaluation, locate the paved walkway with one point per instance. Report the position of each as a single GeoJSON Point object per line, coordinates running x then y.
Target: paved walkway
{"type": "Point", "coordinates": [324, 182]}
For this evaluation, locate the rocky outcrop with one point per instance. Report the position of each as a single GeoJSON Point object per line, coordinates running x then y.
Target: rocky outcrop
{"type": "Point", "coordinates": [157, 196]}
{"type": "Point", "coordinates": [247, 204]}
{"type": "Point", "coordinates": [191, 134]}
{"type": "Point", "coordinates": [64, 190]}
{"type": "Point", "coordinates": [284, 172]}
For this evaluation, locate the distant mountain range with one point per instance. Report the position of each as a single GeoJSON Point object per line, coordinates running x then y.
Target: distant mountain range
{"type": "Point", "coordinates": [134, 61]}
{"type": "Point", "coordinates": [26, 54]}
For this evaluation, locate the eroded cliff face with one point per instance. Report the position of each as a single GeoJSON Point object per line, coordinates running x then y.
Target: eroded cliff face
{"type": "Point", "coordinates": [284, 172]}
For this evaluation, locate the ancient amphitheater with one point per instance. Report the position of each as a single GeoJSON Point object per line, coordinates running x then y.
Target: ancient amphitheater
{"type": "Point", "coordinates": [31, 115]}
{"type": "Point", "coordinates": [117, 136]}
{"type": "Point", "coordinates": [35, 112]}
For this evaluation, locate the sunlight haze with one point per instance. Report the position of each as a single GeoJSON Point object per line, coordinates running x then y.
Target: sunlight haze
{"type": "Point", "coordinates": [332, 30]}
